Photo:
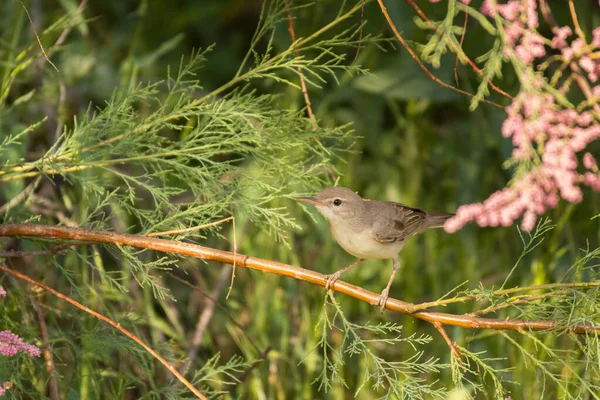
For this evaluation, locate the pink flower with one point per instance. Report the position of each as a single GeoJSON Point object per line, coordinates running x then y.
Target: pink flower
{"type": "Point", "coordinates": [531, 13]}
{"type": "Point", "coordinates": [11, 344]}
{"type": "Point", "coordinates": [512, 33]}
{"type": "Point", "coordinates": [596, 38]}
{"type": "Point", "coordinates": [559, 40]}
{"type": "Point", "coordinates": [546, 135]}
{"type": "Point", "coordinates": [587, 64]}
{"type": "Point", "coordinates": [585, 118]}
{"type": "Point", "coordinates": [592, 180]}
{"type": "Point", "coordinates": [578, 45]}
{"type": "Point", "coordinates": [487, 8]}
{"type": "Point", "coordinates": [567, 53]}
{"type": "Point", "coordinates": [2, 292]}
{"type": "Point", "coordinates": [588, 161]}
{"type": "Point", "coordinates": [510, 10]}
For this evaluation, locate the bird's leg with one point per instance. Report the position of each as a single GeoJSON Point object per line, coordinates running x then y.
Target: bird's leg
{"type": "Point", "coordinates": [336, 275]}
{"type": "Point", "coordinates": [384, 294]}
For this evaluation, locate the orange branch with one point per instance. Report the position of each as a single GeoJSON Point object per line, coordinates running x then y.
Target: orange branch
{"type": "Point", "coordinates": [458, 50]}
{"type": "Point", "coordinates": [420, 63]}
{"type": "Point", "coordinates": [462, 39]}
{"type": "Point", "coordinates": [440, 328]}
{"type": "Point", "coordinates": [193, 250]}
{"type": "Point", "coordinates": [108, 321]}
{"type": "Point", "coordinates": [576, 20]}
{"type": "Point", "coordinates": [311, 116]}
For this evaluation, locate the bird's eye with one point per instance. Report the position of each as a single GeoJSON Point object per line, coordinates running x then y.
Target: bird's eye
{"type": "Point", "coordinates": [337, 202]}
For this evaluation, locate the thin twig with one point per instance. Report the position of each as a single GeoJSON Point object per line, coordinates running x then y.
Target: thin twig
{"type": "Point", "coordinates": [462, 39]}
{"type": "Point", "coordinates": [203, 321]}
{"type": "Point", "coordinates": [462, 299]}
{"type": "Point", "coordinates": [418, 60]}
{"type": "Point", "coordinates": [311, 116]}
{"type": "Point", "coordinates": [192, 229]}
{"type": "Point", "coordinates": [36, 36]}
{"type": "Point", "coordinates": [234, 259]}
{"type": "Point", "coordinates": [440, 327]}
{"type": "Point", "coordinates": [578, 29]}
{"type": "Point", "coordinates": [194, 250]}
{"type": "Point", "coordinates": [20, 198]}
{"type": "Point", "coordinates": [519, 300]}
{"type": "Point", "coordinates": [52, 383]}
{"type": "Point", "coordinates": [460, 51]}
{"type": "Point", "coordinates": [49, 209]}
{"type": "Point", "coordinates": [109, 321]}
{"type": "Point", "coordinates": [195, 228]}
{"type": "Point", "coordinates": [360, 33]}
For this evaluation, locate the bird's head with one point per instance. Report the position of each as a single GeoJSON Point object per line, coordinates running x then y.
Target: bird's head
{"type": "Point", "coordinates": [335, 203]}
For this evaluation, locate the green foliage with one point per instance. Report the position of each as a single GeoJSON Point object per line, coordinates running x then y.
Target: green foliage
{"type": "Point", "coordinates": [380, 377]}
{"type": "Point", "coordinates": [131, 136]}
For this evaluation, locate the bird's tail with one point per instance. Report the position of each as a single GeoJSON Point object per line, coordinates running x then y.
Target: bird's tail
{"type": "Point", "coordinates": [436, 219]}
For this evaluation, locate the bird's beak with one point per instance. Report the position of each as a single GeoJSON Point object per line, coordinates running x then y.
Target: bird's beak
{"type": "Point", "coordinates": [308, 200]}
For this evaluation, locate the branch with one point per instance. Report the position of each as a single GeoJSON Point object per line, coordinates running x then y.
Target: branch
{"type": "Point", "coordinates": [501, 292]}
{"type": "Point", "coordinates": [418, 60]}
{"type": "Point", "coordinates": [52, 383]}
{"type": "Point", "coordinates": [193, 250]}
{"type": "Point", "coordinates": [458, 50]}
{"type": "Point", "coordinates": [309, 110]}
{"type": "Point", "coordinates": [453, 350]}
{"type": "Point", "coordinates": [37, 37]}
{"type": "Point", "coordinates": [109, 321]}
{"type": "Point", "coordinates": [203, 321]}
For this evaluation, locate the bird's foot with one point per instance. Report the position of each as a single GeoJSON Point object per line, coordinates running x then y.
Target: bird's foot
{"type": "Point", "coordinates": [383, 299]}
{"type": "Point", "coordinates": [331, 279]}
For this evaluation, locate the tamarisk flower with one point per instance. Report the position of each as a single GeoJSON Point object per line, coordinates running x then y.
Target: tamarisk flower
{"type": "Point", "coordinates": [546, 135]}
{"type": "Point", "coordinates": [11, 344]}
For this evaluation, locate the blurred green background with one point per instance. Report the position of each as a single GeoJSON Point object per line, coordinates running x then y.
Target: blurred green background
{"type": "Point", "coordinates": [413, 142]}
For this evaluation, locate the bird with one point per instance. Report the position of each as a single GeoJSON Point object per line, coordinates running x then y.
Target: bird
{"type": "Point", "coordinates": [371, 229]}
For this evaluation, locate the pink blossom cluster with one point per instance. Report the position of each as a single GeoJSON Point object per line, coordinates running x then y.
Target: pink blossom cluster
{"type": "Point", "coordinates": [11, 344]}
{"type": "Point", "coordinates": [546, 136]}
{"type": "Point", "coordinates": [520, 33]}
{"type": "Point", "coordinates": [591, 177]}
{"type": "Point", "coordinates": [580, 51]}
{"type": "Point", "coordinates": [2, 292]}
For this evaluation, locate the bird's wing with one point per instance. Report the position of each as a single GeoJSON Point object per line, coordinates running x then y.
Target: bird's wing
{"type": "Point", "coordinates": [398, 224]}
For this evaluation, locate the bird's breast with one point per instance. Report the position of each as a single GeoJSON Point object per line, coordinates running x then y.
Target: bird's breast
{"type": "Point", "coordinates": [362, 244]}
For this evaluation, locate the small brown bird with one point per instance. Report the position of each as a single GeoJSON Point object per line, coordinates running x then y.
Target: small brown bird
{"type": "Point", "coordinates": [371, 229]}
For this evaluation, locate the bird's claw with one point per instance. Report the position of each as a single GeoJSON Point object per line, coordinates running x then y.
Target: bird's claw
{"type": "Point", "coordinates": [331, 280]}
{"type": "Point", "coordinates": [383, 299]}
